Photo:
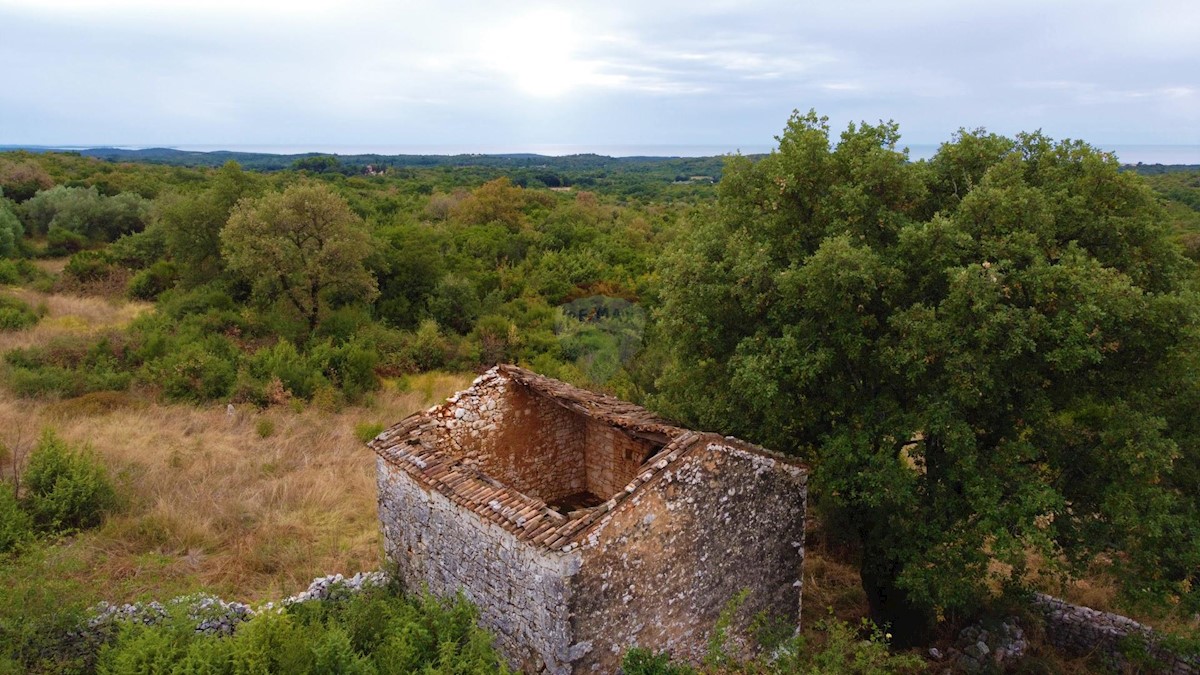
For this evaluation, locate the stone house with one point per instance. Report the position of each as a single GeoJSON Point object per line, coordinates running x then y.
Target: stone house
{"type": "Point", "coordinates": [582, 526]}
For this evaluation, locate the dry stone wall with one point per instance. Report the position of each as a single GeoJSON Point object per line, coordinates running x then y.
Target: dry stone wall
{"type": "Point", "coordinates": [1083, 630]}
{"type": "Point", "coordinates": [612, 458]}
{"type": "Point", "coordinates": [522, 592]}
{"type": "Point", "coordinates": [526, 441]}
{"type": "Point", "coordinates": [660, 568]}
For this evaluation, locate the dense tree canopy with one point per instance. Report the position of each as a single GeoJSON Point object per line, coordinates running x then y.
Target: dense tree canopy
{"type": "Point", "coordinates": [303, 245]}
{"type": "Point", "coordinates": [987, 357]}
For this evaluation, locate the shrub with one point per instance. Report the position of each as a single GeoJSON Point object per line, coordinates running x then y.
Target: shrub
{"type": "Point", "coordinates": [60, 242]}
{"type": "Point", "coordinates": [16, 314]}
{"type": "Point", "coordinates": [365, 431]}
{"type": "Point", "coordinates": [264, 427]}
{"type": "Point", "coordinates": [18, 271]}
{"type": "Point", "coordinates": [88, 266]}
{"type": "Point", "coordinates": [151, 282]}
{"type": "Point", "coordinates": [349, 367]}
{"type": "Point", "coordinates": [15, 526]}
{"type": "Point", "coordinates": [376, 631]}
{"type": "Point", "coordinates": [199, 300]}
{"type": "Point", "coordinates": [289, 366]}
{"type": "Point", "coordinates": [66, 488]}
{"type": "Point", "coordinates": [195, 371]}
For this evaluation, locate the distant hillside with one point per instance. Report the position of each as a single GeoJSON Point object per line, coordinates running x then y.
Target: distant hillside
{"type": "Point", "coordinates": [260, 161]}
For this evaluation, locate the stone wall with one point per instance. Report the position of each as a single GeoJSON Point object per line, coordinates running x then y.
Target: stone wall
{"type": "Point", "coordinates": [523, 440]}
{"type": "Point", "coordinates": [1083, 630]}
{"type": "Point", "coordinates": [522, 591]}
{"type": "Point", "coordinates": [612, 458]}
{"type": "Point", "coordinates": [659, 569]}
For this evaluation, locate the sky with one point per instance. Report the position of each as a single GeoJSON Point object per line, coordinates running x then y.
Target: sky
{"type": "Point", "coordinates": [590, 74]}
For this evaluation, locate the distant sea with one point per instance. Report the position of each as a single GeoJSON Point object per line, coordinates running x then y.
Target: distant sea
{"type": "Point", "coordinates": [1128, 154]}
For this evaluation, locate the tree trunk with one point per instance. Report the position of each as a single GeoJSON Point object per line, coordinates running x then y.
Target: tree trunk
{"type": "Point", "coordinates": [888, 604]}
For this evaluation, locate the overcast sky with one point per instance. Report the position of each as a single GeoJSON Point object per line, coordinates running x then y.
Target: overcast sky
{"type": "Point", "coordinates": [381, 73]}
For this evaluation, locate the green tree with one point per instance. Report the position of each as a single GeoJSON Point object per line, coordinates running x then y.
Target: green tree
{"type": "Point", "coordinates": [21, 180]}
{"type": "Point", "coordinates": [192, 224]}
{"type": "Point", "coordinates": [986, 356]}
{"type": "Point", "coordinates": [302, 246]}
{"type": "Point", "coordinates": [10, 230]}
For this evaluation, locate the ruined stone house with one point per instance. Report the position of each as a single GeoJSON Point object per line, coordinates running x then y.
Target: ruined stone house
{"type": "Point", "coordinates": [582, 526]}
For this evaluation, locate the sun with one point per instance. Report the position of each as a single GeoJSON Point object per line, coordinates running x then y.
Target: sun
{"type": "Point", "coordinates": [538, 51]}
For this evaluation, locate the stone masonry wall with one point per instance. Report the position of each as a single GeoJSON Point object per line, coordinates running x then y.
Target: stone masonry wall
{"type": "Point", "coordinates": [525, 441]}
{"type": "Point", "coordinates": [612, 458]}
{"type": "Point", "coordinates": [522, 591]}
{"type": "Point", "coordinates": [659, 569]}
{"type": "Point", "coordinates": [1083, 630]}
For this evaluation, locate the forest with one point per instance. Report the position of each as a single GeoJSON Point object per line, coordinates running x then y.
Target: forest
{"type": "Point", "coordinates": [990, 359]}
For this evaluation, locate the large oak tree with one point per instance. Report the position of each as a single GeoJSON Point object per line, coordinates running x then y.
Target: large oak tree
{"type": "Point", "coordinates": [989, 358]}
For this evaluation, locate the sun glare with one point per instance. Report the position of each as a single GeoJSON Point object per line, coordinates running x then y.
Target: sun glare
{"type": "Point", "coordinates": [538, 52]}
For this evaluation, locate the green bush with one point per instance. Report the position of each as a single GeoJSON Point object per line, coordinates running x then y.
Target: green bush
{"type": "Point", "coordinates": [365, 431]}
{"type": "Point", "coordinates": [264, 427]}
{"type": "Point", "coordinates": [60, 242]}
{"type": "Point", "coordinates": [15, 526]}
{"type": "Point", "coordinates": [376, 631]}
{"type": "Point", "coordinates": [88, 266]}
{"type": "Point", "coordinates": [283, 361]}
{"type": "Point", "coordinates": [70, 366]}
{"type": "Point", "coordinates": [66, 488]}
{"type": "Point", "coordinates": [349, 367]}
{"type": "Point", "coordinates": [195, 371]}
{"type": "Point", "coordinates": [16, 314]}
{"type": "Point", "coordinates": [149, 283]}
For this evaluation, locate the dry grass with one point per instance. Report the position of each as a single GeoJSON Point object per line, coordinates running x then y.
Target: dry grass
{"type": "Point", "coordinates": [211, 503]}
{"type": "Point", "coordinates": [69, 314]}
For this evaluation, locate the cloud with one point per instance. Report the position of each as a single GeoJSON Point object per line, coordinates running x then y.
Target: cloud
{"type": "Point", "coordinates": [387, 72]}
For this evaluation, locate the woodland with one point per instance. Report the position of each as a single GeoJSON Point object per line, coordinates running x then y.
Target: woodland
{"type": "Point", "coordinates": [990, 359]}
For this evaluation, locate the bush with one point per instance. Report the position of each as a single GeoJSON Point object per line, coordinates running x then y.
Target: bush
{"type": "Point", "coordinates": [18, 271]}
{"type": "Point", "coordinates": [151, 282]}
{"type": "Point", "coordinates": [60, 242]}
{"type": "Point", "coordinates": [66, 488]}
{"type": "Point", "coordinates": [70, 366]}
{"type": "Point", "coordinates": [16, 314]}
{"type": "Point", "coordinates": [88, 266]}
{"type": "Point", "coordinates": [376, 631]}
{"type": "Point", "coordinates": [15, 526]}
{"type": "Point", "coordinates": [264, 427]}
{"type": "Point", "coordinates": [195, 371]}
{"type": "Point", "coordinates": [365, 431]}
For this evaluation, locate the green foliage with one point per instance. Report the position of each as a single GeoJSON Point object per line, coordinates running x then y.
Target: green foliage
{"type": "Point", "coordinates": [15, 525]}
{"type": "Point", "coordinates": [86, 213]}
{"type": "Point", "coordinates": [69, 366]}
{"type": "Point", "coordinates": [192, 224]}
{"type": "Point", "coordinates": [151, 282]}
{"type": "Point", "coordinates": [195, 371]}
{"type": "Point", "coordinates": [303, 246]}
{"type": "Point", "coordinates": [365, 431]}
{"type": "Point", "coordinates": [983, 356]}
{"type": "Point", "coordinates": [10, 230]}
{"type": "Point", "coordinates": [66, 488]}
{"type": "Point", "coordinates": [16, 314]}
{"type": "Point", "coordinates": [835, 648]}
{"type": "Point", "coordinates": [88, 266]}
{"type": "Point", "coordinates": [264, 427]}
{"type": "Point", "coordinates": [377, 631]}
{"type": "Point", "coordinates": [17, 271]}
{"type": "Point", "coordinates": [61, 242]}
{"type": "Point", "coordinates": [39, 609]}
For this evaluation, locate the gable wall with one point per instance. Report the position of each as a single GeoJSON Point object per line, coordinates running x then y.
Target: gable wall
{"type": "Point", "coordinates": [522, 440]}
{"type": "Point", "coordinates": [658, 571]}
